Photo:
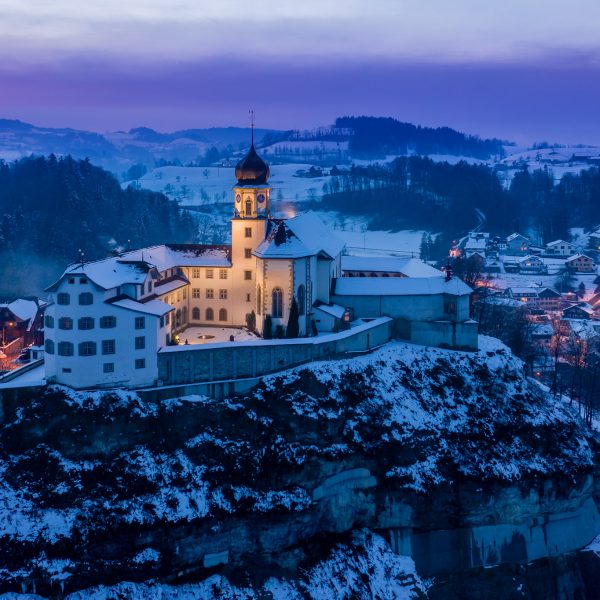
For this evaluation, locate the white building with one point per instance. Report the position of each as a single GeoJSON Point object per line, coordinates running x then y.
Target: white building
{"type": "Point", "coordinates": [107, 320]}
{"type": "Point", "coordinates": [560, 248]}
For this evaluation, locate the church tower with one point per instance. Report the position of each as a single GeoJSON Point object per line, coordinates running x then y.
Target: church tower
{"type": "Point", "coordinates": [251, 212]}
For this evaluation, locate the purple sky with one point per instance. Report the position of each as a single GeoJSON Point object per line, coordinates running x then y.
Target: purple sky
{"type": "Point", "coordinates": [526, 73]}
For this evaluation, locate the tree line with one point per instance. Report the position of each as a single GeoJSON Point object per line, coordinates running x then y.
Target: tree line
{"type": "Point", "coordinates": [54, 207]}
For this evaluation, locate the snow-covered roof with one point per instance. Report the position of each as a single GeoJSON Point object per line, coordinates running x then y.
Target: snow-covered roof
{"type": "Point", "coordinates": [583, 306]}
{"type": "Point", "coordinates": [475, 244]}
{"type": "Point", "coordinates": [576, 256]}
{"type": "Point", "coordinates": [335, 310]}
{"type": "Point", "coordinates": [167, 256]}
{"type": "Point", "coordinates": [153, 307]}
{"type": "Point", "coordinates": [410, 267]}
{"type": "Point", "coordinates": [399, 286]}
{"type": "Point", "coordinates": [132, 267]}
{"type": "Point", "coordinates": [531, 257]}
{"type": "Point", "coordinates": [168, 285]}
{"type": "Point", "coordinates": [557, 243]}
{"type": "Point", "coordinates": [304, 235]}
{"type": "Point", "coordinates": [515, 236]}
{"type": "Point", "coordinates": [23, 309]}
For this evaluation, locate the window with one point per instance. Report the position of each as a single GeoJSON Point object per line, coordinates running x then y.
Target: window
{"type": "Point", "coordinates": [184, 291]}
{"type": "Point", "coordinates": [66, 370]}
{"type": "Point", "coordinates": [210, 314]}
{"type": "Point", "coordinates": [140, 363]}
{"type": "Point", "coordinates": [71, 280]}
{"type": "Point", "coordinates": [179, 296]}
{"type": "Point", "coordinates": [140, 322]}
{"type": "Point", "coordinates": [277, 303]}
{"type": "Point", "coordinates": [140, 342]}
{"type": "Point", "coordinates": [161, 322]}
{"type": "Point", "coordinates": [248, 298]}
{"type": "Point", "coordinates": [222, 294]}
{"type": "Point", "coordinates": [258, 299]}
{"type": "Point", "coordinates": [210, 273]}
{"type": "Point", "coordinates": [449, 307]}
{"type": "Point", "coordinates": [65, 349]}
{"type": "Point", "coordinates": [167, 318]}
{"type": "Point", "coordinates": [108, 322]}
{"type": "Point", "coordinates": [63, 299]}
{"type": "Point", "coordinates": [108, 346]}
{"type": "Point", "coordinates": [85, 323]}
{"type": "Point", "coordinates": [195, 314]}
{"type": "Point", "coordinates": [49, 346]}
{"type": "Point", "coordinates": [196, 273]}
{"type": "Point", "coordinates": [248, 208]}
{"type": "Point", "coordinates": [248, 232]}
{"type": "Point", "coordinates": [301, 300]}
{"type": "Point", "coordinates": [223, 314]}
{"type": "Point", "coordinates": [49, 321]}
{"type": "Point", "coordinates": [83, 280]}
{"type": "Point", "coordinates": [195, 292]}
{"type": "Point", "coordinates": [210, 294]}
{"type": "Point", "coordinates": [86, 298]}
{"type": "Point", "coordinates": [65, 323]}
{"type": "Point", "coordinates": [178, 317]}
{"type": "Point", "coordinates": [87, 348]}
{"type": "Point", "coordinates": [149, 287]}
{"type": "Point", "coordinates": [248, 275]}
{"type": "Point", "coordinates": [222, 273]}
{"type": "Point", "coordinates": [108, 367]}
{"type": "Point", "coordinates": [247, 252]}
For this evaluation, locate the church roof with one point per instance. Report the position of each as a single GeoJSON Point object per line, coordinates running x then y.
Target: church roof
{"type": "Point", "coordinates": [399, 286]}
{"type": "Point", "coordinates": [252, 169]}
{"type": "Point", "coordinates": [407, 266]}
{"type": "Point", "coordinates": [302, 236]}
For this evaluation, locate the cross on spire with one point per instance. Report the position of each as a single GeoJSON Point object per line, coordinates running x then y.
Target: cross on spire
{"type": "Point", "coordinates": [252, 123]}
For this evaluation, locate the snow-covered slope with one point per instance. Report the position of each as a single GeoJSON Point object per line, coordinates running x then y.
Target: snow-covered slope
{"type": "Point", "coordinates": [101, 488]}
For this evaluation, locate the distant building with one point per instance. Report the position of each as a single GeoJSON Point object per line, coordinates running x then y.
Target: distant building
{"type": "Point", "coordinates": [383, 266]}
{"type": "Point", "coordinates": [560, 248]}
{"type": "Point", "coordinates": [580, 263]}
{"type": "Point", "coordinates": [517, 244]}
{"type": "Point", "coordinates": [594, 239]}
{"type": "Point", "coordinates": [579, 311]}
{"type": "Point", "coordinates": [537, 297]}
{"type": "Point", "coordinates": [532, 264]}
{"type": "Point", "coordinates": [21, 319]}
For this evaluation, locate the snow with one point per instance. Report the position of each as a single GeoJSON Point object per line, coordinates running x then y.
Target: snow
{"type": "Point", "coordinates": [168, 256]}
{"type": "Point", "coordinates": [152, 307]}
{"type": "Point", "coordinates": [399, 286]}
{"type": "Point", "coordinates": [30, 377]}
{"type": "Point", "coordinates": [22, 308]}
{"type": "Point", "coordinates": [410, 267]}
{"type": "Point", "coordinates": [335, 310]}
{"type": "Point", "coordinates": [192, 335]}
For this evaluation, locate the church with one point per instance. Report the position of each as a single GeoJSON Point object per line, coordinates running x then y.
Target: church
{"type": "Point", "coordinates": [107, 319]}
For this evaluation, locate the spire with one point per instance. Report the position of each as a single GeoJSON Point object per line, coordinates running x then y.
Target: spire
{"type": "Point", "coordinates": [251, 111]}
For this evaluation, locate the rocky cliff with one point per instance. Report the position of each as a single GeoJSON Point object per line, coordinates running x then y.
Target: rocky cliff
{"type": "Point", "coordinates": [352, 478]}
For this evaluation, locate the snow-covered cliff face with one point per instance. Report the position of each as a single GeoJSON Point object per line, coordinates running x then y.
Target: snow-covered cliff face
{"type": "Point", "coordinates": [454, 459]}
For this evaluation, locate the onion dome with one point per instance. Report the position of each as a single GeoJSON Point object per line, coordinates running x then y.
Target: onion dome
{"type": "Point", "coordinates": [252, 169]}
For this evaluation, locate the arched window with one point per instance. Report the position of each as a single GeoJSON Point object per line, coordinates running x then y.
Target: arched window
{"type": "Point", "coordinates": [277, 303]}
{"type": "Point", "coordinates": [178, 318]}
{"type": "Point", "coordinates": [248, 208]}
{"type": "Point", "coordinates": [258, 300]}
{"type": "Point", "coordinates": [65, 323]}
{"type": "Point", "coordinates": [86, 298]}
{"type": "Point", "coordinates": [195, 314]}
{"type": "Point", "coordinates": [65, 349]}
{"type": "Point", "coordinates": [210, 314]}
{"type": "Point", "coordinates": [301, 300]}
{"type": "Point", "coordinates": [49, 346]}
{"type": "Point", "coordinates": [85, 323]}
{"type": "Point", "coordinates": [223, 314]}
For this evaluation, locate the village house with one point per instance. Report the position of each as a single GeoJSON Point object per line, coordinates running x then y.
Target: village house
{"type": "Point", "coordinates": [579, 311]}
{"type": "Point", "coordinates": [559, 248]}
{"type": "Point", "coordinates": [517, 244]}
{"type": "Point", "coordinates": [581, 263]}
{"type": "Point", "coordinates": [536, 297]}
{"type": "Point", "coordinates": [532, 264]}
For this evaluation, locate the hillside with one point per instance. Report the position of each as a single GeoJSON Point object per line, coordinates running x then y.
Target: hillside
{"type": "Point", "coordinates": [51, 208]}
{"type": "Point", "coordinates": [281, 490]}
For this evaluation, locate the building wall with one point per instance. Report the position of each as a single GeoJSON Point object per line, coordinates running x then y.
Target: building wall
{"type": "Point", "coordinates": [88, 371]}
{"type": "Point", "coordinates": [214, 362]}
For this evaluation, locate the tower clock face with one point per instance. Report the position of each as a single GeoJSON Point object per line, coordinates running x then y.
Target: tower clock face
{"type": "Point", "coordinates": [238, 198]}
{"type": "Point", "coordinates": [261, 198]}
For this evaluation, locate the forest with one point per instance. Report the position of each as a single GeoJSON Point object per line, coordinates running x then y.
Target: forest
{"type": "Point", "coordinates": [416, 192]}
{"type": "Point", "coordinates": [51, 208]}
{"type": "Point", "coordinates": [378, 136]}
